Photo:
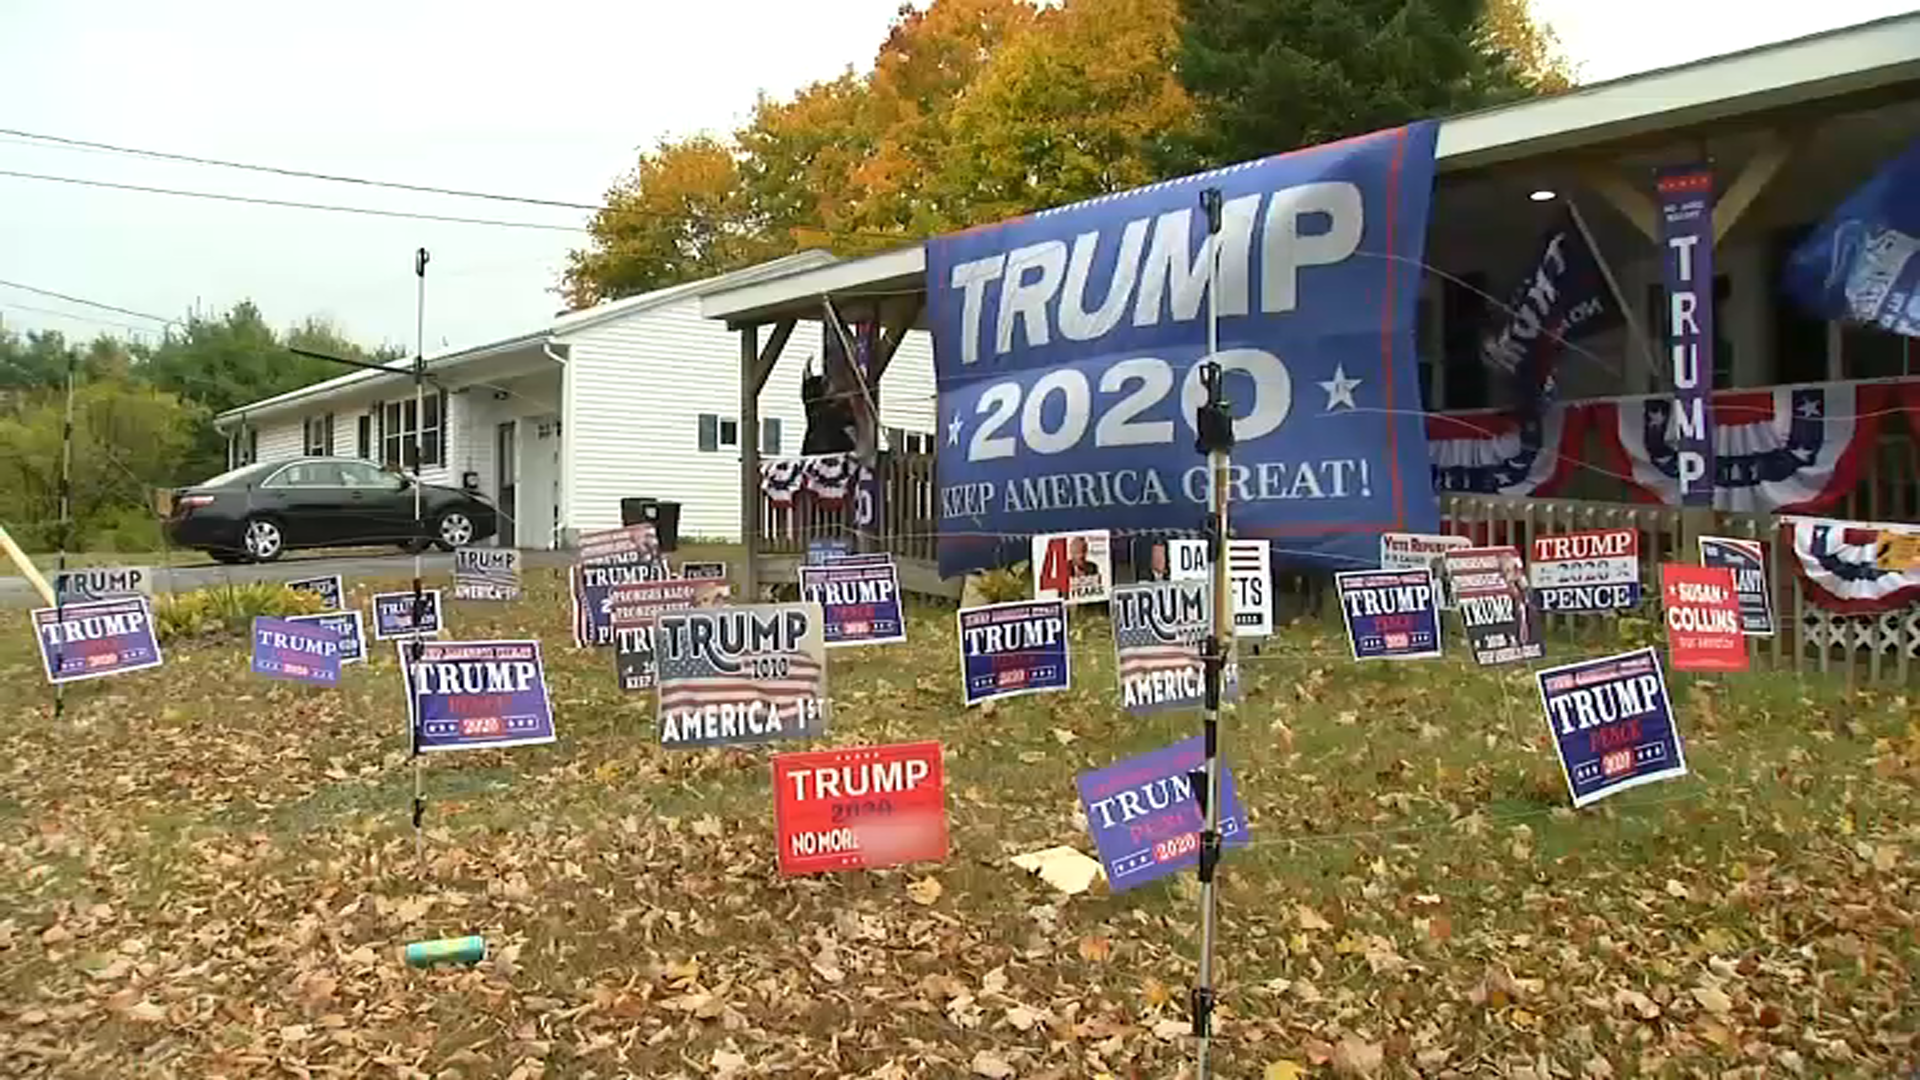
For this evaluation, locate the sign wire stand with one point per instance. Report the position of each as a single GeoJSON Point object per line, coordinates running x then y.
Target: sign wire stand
{"type": "Point", "coordinates": [1214, 424]}
{"type": "Point", "coordinates": [66, 541]}
{"type": "Point", "coordinates": [416, 646]}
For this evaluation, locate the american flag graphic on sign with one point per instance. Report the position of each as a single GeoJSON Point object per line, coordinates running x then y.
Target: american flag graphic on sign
{"type": "Point", "coordinates": [1158, 630]}
{"type": "Point", "coordinates": [738, 675]}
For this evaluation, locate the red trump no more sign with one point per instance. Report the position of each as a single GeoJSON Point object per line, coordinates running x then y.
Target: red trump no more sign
{"type": "Point", "coordinates": [860, 807]}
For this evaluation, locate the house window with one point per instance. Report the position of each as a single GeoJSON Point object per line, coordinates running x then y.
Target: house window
{"type": "Point", "coordinates": [909, 442]}
{"type": "Point", "coordinates": [717, 432]}
{"type": "Point", "coordinates": [770, 435]}
{"type": "Point", "coordinates": [318, 435]}
{"type": "Point", "coordinates": [398, 424]}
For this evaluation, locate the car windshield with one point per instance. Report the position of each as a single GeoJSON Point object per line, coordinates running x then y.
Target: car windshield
{"type": "Point", "coordinates": [242, 474]}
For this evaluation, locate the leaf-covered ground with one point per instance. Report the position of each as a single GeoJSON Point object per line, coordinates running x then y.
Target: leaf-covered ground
{"type": "Point", "coordinates": [206, 874]}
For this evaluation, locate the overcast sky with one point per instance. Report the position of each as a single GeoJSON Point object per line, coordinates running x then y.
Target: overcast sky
{"type": "Point", "coordinates": [548, 100]}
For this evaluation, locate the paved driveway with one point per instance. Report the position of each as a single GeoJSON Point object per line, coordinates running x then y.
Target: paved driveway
{"type": "Point", "coordinates": [16, 592]}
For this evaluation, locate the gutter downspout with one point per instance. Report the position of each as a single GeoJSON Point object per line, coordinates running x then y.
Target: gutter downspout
{"type": "Point", "coordinates": [563, 497]}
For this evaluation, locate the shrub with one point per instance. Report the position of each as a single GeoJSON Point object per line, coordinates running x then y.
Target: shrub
{"type": "Point", "coordinates": [1001, 586]}
{"type": "Point", "coordinates": [229, 609]}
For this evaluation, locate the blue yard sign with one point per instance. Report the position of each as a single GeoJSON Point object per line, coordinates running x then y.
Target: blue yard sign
{"type": "Point", "coordinates": [1007, 650]}
{"type": "Point", "coordinates": [1067, 346]}
{"type": "Point", "coordinates": [297, 651]}
{"type": "Point", "coordinates": [477, 695]}
{"type": "Point", "coordinates": [1612, 724]}
{"type": "Point", "coordinates": [1144, 818]}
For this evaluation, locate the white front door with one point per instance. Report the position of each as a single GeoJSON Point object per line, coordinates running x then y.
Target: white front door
{"type": "Point", "coordinates": [537, 490]}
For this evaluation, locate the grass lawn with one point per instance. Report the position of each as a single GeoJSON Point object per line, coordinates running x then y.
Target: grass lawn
{"type": "Point", "coordinates": [206, 874]}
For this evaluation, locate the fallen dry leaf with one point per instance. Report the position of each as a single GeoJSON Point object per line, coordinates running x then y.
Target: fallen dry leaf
{"type": "Point", "coordinates": [925, 892]}
{"type": "Point", "coordinates": [1282, 1070]}
{"type": "Point", "coordinates": [989, 1064]}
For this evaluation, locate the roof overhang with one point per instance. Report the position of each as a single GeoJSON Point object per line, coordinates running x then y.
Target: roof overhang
{"type": "Point", "coordinates": [1874, 56]}
{"type": "Point", "coordinates": [363, 380]}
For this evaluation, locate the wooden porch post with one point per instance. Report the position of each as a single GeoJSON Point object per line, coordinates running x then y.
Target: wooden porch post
{"type": "Point", "coordinates": [755, 365]}
{"type": "Point", "coordinates": [750, 464]}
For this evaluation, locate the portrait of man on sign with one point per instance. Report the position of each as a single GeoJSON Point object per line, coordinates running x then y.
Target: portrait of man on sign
{"type": "Point", "coordinates": [1150, 561]}
{"type": "Point", "coordinates": [1083, 572]}
{"type": "Point", "coordinates": [1526, 619]}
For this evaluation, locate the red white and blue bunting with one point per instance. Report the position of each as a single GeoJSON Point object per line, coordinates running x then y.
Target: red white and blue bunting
{"type": "Point", "coordinates": [829, 478]}
{"type": "Point", "coordinates": [1786, 449]}
{"type": "Point", "coordinates": [1840, 561]}
{"type": "Point", "coordinates": [1490, 452]}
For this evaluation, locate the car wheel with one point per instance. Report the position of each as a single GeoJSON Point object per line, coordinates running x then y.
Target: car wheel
{"type": "Point", "coordinates": [454, 529]}
{"type": "Point", "coordinates": [263, 540]}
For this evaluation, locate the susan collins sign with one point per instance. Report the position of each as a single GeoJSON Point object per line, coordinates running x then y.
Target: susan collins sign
{"type": "Point", "coordinates": [1068, 343]}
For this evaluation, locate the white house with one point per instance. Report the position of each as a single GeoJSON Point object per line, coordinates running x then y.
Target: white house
{"type": "Point", "coordinates": [638, 397]}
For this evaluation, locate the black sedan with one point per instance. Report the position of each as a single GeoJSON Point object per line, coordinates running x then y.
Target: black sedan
{"type": "Point", "coordinates": [256, 512]}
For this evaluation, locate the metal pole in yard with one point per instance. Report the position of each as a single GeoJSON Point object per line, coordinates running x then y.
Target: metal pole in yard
{"type": "Point", "coordinates": [66, 538]}
{"type": "Point", "coordinates": [1214, 423]}
{"type": "Point", "coordinates": [416, 647]}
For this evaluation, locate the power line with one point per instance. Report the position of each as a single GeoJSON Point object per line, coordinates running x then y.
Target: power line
{"type": "Point", "coordinates": [164, 155]}
{"type": "Point", "coordinates": [14, 305]}
{"type": "Point", "coordinates": [84, 302]}
{"type": "Point", "coordinates": [257, 200]}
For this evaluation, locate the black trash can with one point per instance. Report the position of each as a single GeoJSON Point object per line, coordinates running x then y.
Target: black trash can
{"type": "Point", "coordinates": [663, 515]}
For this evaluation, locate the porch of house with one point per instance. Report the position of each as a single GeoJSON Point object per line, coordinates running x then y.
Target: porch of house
{"type": "Point", "coordinates": [1789, 131]}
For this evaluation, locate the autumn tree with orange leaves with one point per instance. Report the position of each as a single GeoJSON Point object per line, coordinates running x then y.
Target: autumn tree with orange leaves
{"type": "Point", "coordinates": [976, 110]}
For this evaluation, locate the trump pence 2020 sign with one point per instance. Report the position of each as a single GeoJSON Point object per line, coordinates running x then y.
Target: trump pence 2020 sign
{"type": "Point", "coordinates": [1067, 347]}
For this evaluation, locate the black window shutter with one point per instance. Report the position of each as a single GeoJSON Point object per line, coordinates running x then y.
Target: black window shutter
{"type": "Point", "coordinates": [709, 432]}
{"type": "Point", "coordinates": [442, 451]}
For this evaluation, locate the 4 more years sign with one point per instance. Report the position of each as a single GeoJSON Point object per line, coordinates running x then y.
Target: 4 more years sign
{"type": "Point", "coordinates": [860, 807]}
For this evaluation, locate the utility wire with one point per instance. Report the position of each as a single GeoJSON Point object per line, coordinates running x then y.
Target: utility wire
{"type": "Point", "coordinates": [13, 305]}
{"type": "Point", "coordinates": [260, 201]}
{"type": "Point", "coordinates": [164, 155]}
{"type": "Point", "coordinates": [83, 301]}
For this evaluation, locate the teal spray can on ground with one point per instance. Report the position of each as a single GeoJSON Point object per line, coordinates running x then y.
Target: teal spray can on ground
{"type": "Point", "coordinates": [460, 950]}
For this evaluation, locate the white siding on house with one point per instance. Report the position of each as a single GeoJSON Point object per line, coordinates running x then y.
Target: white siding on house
{"type": "Point", "coordinates": [639, 385]}
{"type": "Point", "coordinates": [280, 438]}
{"type": "Point", "coordinates": [906, 390]}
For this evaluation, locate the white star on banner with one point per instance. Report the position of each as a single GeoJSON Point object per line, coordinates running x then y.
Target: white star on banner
{"type": "Point", "coordinates": [1339, 389]}
{"type": "Point", "coordinates": [953, 430]}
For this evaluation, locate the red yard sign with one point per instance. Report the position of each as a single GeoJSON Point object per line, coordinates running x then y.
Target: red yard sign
{"type": "Point", "coordinates": [1703, 618]}
{"type": "Point", "coordinates": [859, 808]}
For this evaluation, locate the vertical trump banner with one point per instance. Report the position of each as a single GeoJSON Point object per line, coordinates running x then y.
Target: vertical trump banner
{"type": "Point", "coordinates": [1686, 234]}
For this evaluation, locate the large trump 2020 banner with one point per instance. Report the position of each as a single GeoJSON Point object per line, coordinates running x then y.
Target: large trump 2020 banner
{"type": "Point", "coordinates": [1068, 344]}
